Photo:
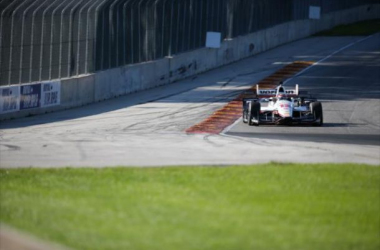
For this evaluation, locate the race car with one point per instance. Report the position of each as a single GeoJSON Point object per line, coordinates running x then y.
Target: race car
{"type": "Point", "coordinates": [282, 106]}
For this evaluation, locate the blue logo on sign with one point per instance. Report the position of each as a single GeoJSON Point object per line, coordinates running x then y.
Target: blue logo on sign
{"type": "Point", "coordinates": [30, 96]}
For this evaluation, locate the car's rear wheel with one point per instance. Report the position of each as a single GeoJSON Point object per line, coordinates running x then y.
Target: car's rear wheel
{"type": "Point", "coordinates": [316, 110]}
{"type": "Point", "coordinates": [254, 114]}
{"type": "Point", "coordinates": [245, 111]}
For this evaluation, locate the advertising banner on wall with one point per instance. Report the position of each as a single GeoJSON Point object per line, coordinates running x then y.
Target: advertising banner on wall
{"type": "Point", "coordinates": [50, 94]}
{"type": "Point", "coordinates": [30, 96]}
{"type": "Point", "coordinates": [9, 99]}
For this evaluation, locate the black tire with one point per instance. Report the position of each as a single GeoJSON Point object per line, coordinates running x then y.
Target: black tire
{"type": "Point", "coordinates": [316, 110]}
{"type": "Point", "coordinates": [254, 113]}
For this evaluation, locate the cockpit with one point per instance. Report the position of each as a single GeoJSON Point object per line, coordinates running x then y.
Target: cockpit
{"type": "Point", "coordinates": [284, 97]}
{"type": "Point", "coordinates": [281, 95]}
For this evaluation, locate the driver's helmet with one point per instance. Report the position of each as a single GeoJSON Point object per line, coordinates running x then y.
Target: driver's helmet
{"type": "Point", "coordinates": [283, 97]}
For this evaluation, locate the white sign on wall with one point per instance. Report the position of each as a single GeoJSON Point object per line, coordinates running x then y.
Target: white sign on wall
{"type": "Point", "coordinates": [50, 93]}
{"type": "Point", "coordinates": [213, 40]}
{"type": "Point", "coordinates": [314, 12]}
{"type": "Point", "coordinates": [9, 99]}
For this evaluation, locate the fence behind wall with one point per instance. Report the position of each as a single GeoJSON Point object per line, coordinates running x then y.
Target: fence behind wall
{"type": "Point", "coordinates": [53, 39]}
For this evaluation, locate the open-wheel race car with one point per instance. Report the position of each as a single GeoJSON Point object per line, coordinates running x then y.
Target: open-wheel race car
{"type": "Point", "coordinates": [282, 106]}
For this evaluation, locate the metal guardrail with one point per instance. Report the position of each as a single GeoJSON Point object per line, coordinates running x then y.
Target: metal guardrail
{"type": "Point", "coordinates": [53, 39]}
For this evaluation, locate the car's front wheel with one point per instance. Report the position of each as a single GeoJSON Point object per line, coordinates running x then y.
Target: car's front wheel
{"type": "Point", "coordinates": [254, 114]}
{"type": "Point", "coordinates": [316, 110]}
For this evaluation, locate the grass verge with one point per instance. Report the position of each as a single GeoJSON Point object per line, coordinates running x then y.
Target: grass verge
{"type": "Point", "coordinates": [364, 28]}
{"type": "Point", "coordinates": [272, 206]}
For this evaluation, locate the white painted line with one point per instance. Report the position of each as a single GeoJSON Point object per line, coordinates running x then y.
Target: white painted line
{"type": "Point", "coordinates": [231, 126]}
{"type": "Point", "coordinates": [327, 57]}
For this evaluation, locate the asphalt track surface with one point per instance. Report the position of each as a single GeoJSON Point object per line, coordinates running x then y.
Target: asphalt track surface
{"type": "Point", "coordinates": [348, 85]}
{"type": "Point", "coordinates": [147, 128]}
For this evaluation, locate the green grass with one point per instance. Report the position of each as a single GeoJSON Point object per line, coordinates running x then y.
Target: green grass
{"type": "Point", "coordinates": [363, 28]}
{"type": "Point", "coordinates": [272, 206]}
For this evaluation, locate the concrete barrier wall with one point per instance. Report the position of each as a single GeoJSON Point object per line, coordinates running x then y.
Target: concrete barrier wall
{"type": "Point", "coordinates": [77, 91]}
{"type": "Point", "coordinates": [132, 78]}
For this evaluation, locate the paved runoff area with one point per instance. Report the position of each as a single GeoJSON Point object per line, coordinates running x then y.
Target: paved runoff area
{"type": "Point", "coordinates": [11, 239]}
{"type": "Point", "coordinates": [149, 128]}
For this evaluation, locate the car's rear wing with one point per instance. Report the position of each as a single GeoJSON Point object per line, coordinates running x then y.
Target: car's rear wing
{"type": "Point", "coordinates": [291, 92]}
